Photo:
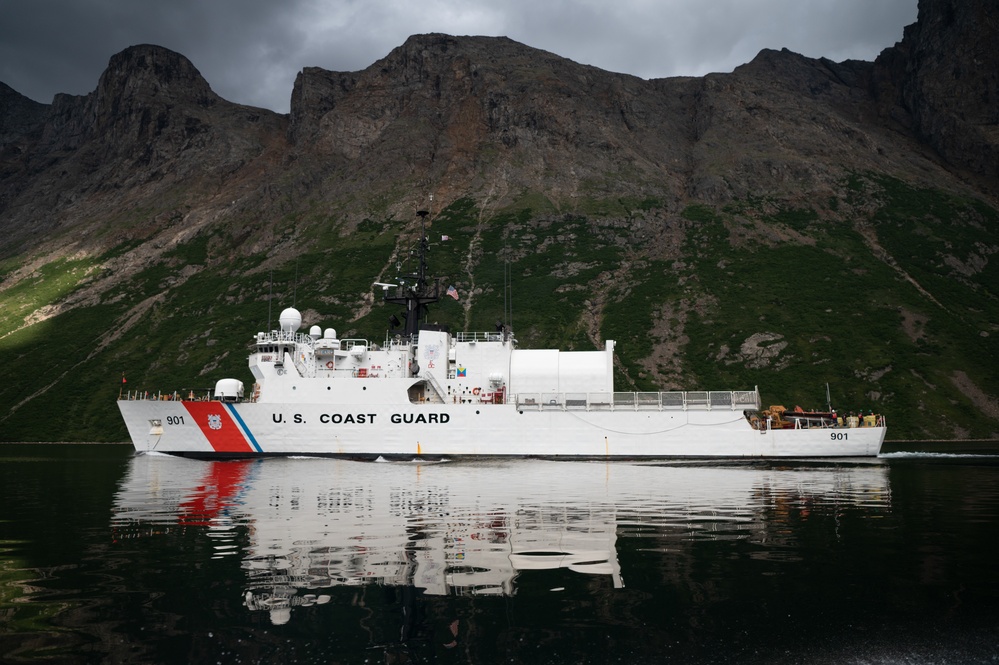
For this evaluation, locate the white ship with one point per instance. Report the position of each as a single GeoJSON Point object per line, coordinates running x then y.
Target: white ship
{"type": "Point", "coordinates": [424, 392]}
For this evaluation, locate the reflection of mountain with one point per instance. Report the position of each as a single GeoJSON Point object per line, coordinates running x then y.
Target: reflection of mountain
{"type": "Point", "coordinates": [458, 528]}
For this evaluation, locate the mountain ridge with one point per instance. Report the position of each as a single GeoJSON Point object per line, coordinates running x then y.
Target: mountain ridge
{"type": "Point", "coordinates": [659, 212]}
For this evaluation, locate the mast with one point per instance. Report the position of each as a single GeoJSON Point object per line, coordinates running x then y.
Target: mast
{"type": "Point", "coordinates": [416, 290]}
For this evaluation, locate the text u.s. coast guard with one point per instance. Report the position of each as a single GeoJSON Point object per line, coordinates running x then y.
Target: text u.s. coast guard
{"type": "Point", "coordinates": [367, 418]}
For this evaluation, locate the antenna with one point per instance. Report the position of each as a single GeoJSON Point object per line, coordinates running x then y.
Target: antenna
{"type": "Point", "coordinates": [507, 298]}
{"type": "Point", "coordinates": [418, 289]}
{"type": "Point", "coordinates": [510, 288]}
{"type": "Point", "coordinates": [270, 294]}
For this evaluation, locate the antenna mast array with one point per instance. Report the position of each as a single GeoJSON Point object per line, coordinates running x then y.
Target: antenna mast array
{"type": "Point", "coordinates": [416, 290]}
{"type": "Point", "coordinates": [507, 301]}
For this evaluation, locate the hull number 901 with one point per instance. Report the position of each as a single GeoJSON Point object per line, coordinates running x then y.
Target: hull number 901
{"type": "Point", "coordinates": [839, 436]}
{"type": "Point", "coordinates": [175, 420]}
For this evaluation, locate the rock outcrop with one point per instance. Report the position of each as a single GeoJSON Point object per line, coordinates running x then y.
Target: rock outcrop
{"type": "Point", "coordinates": [942, 82]}
{"type": "Point", "coordinates": [152, 126]}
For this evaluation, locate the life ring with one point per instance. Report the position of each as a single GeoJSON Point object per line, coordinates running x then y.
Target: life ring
{"type": "Point", "coordinates": [329, 364]}
{"type": "Point", "coordinates": [476, 391]}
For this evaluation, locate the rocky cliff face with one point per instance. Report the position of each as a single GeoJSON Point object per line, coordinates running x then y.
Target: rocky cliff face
{"type": "Point", "coordinates": [18, 116]}
{"type": "Point", "coordinates": [642, 208]}
{"type": "Point", "coordinates": [471, 114]}
{"type": "Point", "coordinates": [491, 118]}
{"type": "Point", "coordinates": [152, 125]}
{"type": "Point", "coordinates": [942, 82]}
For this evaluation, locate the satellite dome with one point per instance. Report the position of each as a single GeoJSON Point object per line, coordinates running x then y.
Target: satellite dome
{"type": "Point", "coordinates": [315, 332]}
{"type": "Point", "coordinates": [290, 320]}
{"type": "Point", "coordinates": [228, 390]}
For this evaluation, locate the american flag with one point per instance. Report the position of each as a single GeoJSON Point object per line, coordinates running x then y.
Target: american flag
{"type": "Point", "coordinates": [445, 238]}
{"type": "Point", "coordinates": [453, 292]}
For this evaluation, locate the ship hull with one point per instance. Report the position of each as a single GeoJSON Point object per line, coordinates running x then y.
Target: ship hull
{"type": "Point", "coordinates": [214, 429]}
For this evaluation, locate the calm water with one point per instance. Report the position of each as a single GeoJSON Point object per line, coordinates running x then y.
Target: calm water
{"type": "Point", "coordinates": [113, 558]}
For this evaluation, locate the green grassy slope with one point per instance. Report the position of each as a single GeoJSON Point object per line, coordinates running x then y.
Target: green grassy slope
{"type": "Point", "coordinates": [886, 292]}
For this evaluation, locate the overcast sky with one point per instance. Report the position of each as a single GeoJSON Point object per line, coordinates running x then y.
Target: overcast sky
{"type": "Point", "coordinates": [251, 50]}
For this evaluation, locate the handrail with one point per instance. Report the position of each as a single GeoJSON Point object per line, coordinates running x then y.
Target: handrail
{"type": "Point", "coordinates": [277, 336]}
{"type": "Point", "coordinates": [695, 400]}
{"type": "Point", "coordinates": [433, 384]}
{"type": "Point", "coordinates": [480, 336]}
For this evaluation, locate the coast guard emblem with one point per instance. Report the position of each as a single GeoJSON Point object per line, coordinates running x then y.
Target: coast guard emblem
{"type": "Point", "coordinates": [214, 421]}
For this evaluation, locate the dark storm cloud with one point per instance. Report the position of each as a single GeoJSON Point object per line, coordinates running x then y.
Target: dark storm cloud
{"type": "Point", "coordinates": [250, 50]}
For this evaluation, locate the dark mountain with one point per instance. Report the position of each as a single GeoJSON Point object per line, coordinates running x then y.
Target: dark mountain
{"type": "Point", "coordinates": [942, 83]}
{"type": "Point", "coordinates": [794, 223]}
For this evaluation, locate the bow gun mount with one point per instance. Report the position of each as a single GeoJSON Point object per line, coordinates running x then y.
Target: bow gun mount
{"type": "Point", "coordinates": [415, 290]}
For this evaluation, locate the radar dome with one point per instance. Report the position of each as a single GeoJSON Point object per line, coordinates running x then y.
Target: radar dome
{"type": "Point", "coordinates": [228, 390]}
{"type": "Point", "coordinates": [290, 320]}
{"type": "Point", "coordinates": [315, 332]}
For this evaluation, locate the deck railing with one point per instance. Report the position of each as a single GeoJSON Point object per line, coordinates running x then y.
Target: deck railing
{"type": "Point", "coordinates": [695, 400]}
{"type": "Point", "coordinates": [480, 336]}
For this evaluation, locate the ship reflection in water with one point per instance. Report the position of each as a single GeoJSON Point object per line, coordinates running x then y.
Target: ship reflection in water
{"type": "Point", "coordinates": [305, 526]}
